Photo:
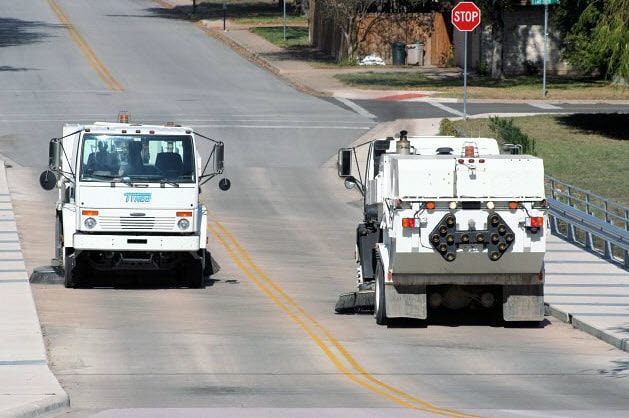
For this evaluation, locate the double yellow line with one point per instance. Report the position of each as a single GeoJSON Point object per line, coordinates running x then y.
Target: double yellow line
{"type": "Point", "coordinates": [331, 347]}
{"type": "Point", "coordinates": [98, 66]}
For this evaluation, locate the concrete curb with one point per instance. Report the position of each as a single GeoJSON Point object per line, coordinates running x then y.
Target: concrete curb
{"type": "Point", "coordinates": [52, 404]}
{"type": "Point", "coordinates": [28, 388]}
{"type": "Point", "coordinates": [582, 325]}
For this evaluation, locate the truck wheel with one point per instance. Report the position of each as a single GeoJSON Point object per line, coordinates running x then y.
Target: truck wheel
{"type": "Point", "coordinates": [380, 312]}
{"type": "Point", "coordinates": [69, 272]}
{"type": "Point", "coordinates": [194, 273]}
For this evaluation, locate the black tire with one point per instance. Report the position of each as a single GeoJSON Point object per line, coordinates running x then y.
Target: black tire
{"type": "Point", "coordinates": [194, 274]}
{"type": "Point", "coordinates": [380, 311]}
{"type": "Point", "coordinates": [208, 269]}
{"type": "Point", "coordinates": [69, 273]}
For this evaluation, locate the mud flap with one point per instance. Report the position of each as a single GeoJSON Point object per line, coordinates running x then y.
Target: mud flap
{"type": "Point", "coordinates": [523, 303]}
{"type": "Point", "coordinates": [406, 301]}
{"type": "Point", "coordinates": [210, 265]}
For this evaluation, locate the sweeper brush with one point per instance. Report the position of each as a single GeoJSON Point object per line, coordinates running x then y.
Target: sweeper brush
{"type": "Point", "coordinates": [363, 300]}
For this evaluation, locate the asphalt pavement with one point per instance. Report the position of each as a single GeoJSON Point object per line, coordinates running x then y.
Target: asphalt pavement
{"type": "Point", "coordinates": [581, 288]}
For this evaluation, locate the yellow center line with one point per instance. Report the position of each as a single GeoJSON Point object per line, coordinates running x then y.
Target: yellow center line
{"type": "Point", "coordinates": [96, 64]}
{"type": "Point", "coordinates": [354, 371]}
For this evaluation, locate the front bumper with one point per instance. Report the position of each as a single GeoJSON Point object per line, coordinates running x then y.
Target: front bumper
{"type": "Point", "coordinates": [87, 242]}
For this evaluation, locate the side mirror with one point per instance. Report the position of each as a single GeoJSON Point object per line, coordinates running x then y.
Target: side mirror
{"type": "Point", "coordinates": [54, 154]}
{"type": "Point", "coordinates": [47, 180]}
{"type": "Point", "coordinates": [224, 184]}
{"type": "Point", "coordinates": [219, 162]}
{"type": "Point", "coordinates": [344, 162]}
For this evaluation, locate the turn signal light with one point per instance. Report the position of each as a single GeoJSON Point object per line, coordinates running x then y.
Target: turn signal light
{"type": "Point", "coordinates": [408, 222]}
{"type": "Point", "coordinates": [186, 214]}
{"type": "Point", "coordinates": [513, 205]}
{"type": "Point", "coordinates": [89, 212]}
{"type": "Point", "coordinates": [430, 205]}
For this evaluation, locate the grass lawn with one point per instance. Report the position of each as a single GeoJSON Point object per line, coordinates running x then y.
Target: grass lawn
{"type": "Point", "coordinates": [295, 35]}
{"type": "Point", "coordinates": [522, 87]}
{"type": "Point", "coordinates": [590, 151]}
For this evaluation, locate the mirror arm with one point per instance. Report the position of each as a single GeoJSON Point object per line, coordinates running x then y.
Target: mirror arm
{"type": "Point", "coordinates": [65, 155]}
{"type": "Point", "coordinates": [207, 163]}
{"type": "Point", "coordinates": [206, 178]}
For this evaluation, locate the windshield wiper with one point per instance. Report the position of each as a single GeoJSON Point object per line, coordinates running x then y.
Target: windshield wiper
{"type": "Point", "coordinates": [163, 182]}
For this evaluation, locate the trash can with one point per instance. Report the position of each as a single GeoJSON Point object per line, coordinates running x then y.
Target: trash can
{"type": "Point", "coordinates": [398, 53]}
{"type": "Point", "coordinates": [415, 53]}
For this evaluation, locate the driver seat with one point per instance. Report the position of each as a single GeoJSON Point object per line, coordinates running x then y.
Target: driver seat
{"type": "Point", "coordinates": [169, 163]}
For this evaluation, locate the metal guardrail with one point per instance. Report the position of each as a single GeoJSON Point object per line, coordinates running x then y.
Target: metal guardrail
{"type": "Point", "coordinates": [598, 224]}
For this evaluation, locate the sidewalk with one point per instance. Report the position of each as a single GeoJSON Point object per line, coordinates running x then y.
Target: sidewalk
{"type": "Point", "coordinates": [315, 80]}
{"type": "Point", "coordinates": [27, 386]}
{"type": "Point", "coordinates": [303, 76]}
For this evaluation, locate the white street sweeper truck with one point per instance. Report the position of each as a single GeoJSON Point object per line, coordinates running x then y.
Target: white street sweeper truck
{"type": "Point", "coordinates": [129, 200]}
{"type": "Point", "coordinates": [448, 223]}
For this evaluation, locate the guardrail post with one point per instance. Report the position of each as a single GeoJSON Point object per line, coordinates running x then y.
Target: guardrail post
{"type": "Point", "coordinates": [626, 252]}
{"type": "Point", "coordinates": [553, 225]}
{"type": "Point", "coordinates": [571, 233]}
{"type": "Point", "coordinates": [608, 253]}
{"type": "Point", "coordinates": [589, 242]}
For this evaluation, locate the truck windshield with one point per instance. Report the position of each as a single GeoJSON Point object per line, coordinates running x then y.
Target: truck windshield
{"type": "Point", "coordinates": [147, 158]}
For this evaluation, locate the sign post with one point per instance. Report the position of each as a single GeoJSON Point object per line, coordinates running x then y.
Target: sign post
{"type": "Point", "coordinates": [545, 3]}
{"type": "Point", "coordinates": [465, 17]}
{"type": "Point", "coordinates": [284, 20]}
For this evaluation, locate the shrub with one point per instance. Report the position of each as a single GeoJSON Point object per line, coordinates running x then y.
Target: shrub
{"type": "Point", "coordinates": [507, 133]}
{"type": "Point", "coordinates": [447, 127]}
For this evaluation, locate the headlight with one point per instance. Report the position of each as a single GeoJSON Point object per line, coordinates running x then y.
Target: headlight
{"type": "Point", "coordinates": [183, 224]}
{"type": "Point", "coordinates": [89, 223]}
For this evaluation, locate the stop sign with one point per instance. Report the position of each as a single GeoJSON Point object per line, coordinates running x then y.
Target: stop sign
{"type": "Point", "coordinates": [466, 16]}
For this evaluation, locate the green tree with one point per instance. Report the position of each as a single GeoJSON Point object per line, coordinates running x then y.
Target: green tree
{"type": "Point", "coordinates": [612, 36]}
{"type": "Point", "coordinates": [596, 36]}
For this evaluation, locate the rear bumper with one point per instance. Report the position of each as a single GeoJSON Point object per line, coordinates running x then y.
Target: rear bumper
{"type": "Point", "coordinates": [431, 263]}
{"type": "Point", "coordinates": [465, 279]}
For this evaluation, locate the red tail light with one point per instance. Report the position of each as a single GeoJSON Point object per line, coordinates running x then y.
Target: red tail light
{"type": "Point", "coordinates": [535, 222]}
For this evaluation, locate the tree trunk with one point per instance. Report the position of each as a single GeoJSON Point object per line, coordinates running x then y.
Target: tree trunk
{"type": "Point", "coordinates": [497, 36]}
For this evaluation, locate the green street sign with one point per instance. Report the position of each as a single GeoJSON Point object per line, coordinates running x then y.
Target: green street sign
{"type": "Point", "coordinates": [543, 2]}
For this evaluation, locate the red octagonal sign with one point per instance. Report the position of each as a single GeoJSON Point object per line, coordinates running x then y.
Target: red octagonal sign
{"type": "Point", "coordinates": [466, 16]}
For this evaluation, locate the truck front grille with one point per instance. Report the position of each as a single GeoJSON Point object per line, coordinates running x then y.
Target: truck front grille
{"type": "Point", "coordinates": [144, 223]}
